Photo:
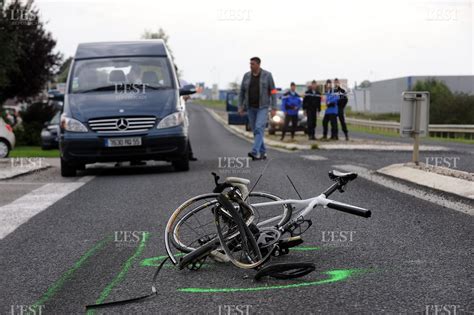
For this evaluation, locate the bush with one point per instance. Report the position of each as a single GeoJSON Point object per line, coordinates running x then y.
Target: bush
{"type": "Point", "coordinates": [34, 117]}
{"type": "Point", "coordinates": [447, 107]}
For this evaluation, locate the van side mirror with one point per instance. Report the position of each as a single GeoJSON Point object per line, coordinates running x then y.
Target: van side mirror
{"type": "Point", "coordinates": [56, 97]}
{"type": "Point", "coordinates": [188, 89]}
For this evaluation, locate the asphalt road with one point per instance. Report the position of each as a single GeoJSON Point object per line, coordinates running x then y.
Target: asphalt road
{"type": "Point", "coordinates": [412, 256]}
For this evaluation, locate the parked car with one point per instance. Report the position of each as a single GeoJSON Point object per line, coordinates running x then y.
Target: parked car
{"type": "Point", "coordinates": [7, 139]}
{"type": "Point", "coordinates": [123, 103]}
{"type": "Point", "coordinates": [50, 133]}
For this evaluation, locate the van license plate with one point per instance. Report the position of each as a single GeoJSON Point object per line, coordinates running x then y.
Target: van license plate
{"type": "Point", "coordinates": [123, 142]}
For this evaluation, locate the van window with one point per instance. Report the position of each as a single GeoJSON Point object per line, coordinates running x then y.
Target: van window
{"type": "Point", "coordinates": [89, 75]}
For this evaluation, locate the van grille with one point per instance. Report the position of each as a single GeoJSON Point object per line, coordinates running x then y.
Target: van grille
{"type": "Point", "coordinates": [122, 124]}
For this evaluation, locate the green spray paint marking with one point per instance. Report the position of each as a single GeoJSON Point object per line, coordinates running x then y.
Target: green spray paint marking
{"type": "Point", "coordinates": [304, 248]}
{"type": "Point", "coordinates": [155, 261]}
{"type": "Point", "coordinates": [119, 278]}
{"type": "Point", "coordinates": [52, 290]}
{"type": "Point", "coordinates": [334, 276]}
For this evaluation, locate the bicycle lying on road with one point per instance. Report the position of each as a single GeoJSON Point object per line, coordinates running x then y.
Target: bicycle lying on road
{"type": "Point", "coordinates": [229, 225]}
{"type": "Point", "coordinates": [237, 228]}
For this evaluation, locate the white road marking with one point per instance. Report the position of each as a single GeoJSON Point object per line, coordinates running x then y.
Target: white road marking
{"type": "Point", "coordinates": [314, 157]}
{"type": "Point", "coordinates": [418, 193]}
{"type": "Point", "coordinates": [22, 209]}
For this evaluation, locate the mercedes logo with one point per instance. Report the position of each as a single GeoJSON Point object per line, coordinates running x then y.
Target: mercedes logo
{"type": "Point", "coordinates": [122, 124]}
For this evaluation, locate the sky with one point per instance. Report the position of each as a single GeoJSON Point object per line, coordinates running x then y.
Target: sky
{"type": "Point", "coordinates": [297, 40]}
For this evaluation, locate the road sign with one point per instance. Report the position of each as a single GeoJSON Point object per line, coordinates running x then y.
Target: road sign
{"type": "Point", "coordinates": [415, 117]}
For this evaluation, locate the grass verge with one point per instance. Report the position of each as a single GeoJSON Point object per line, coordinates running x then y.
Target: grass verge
{"type": "Point", "coordinates": [27, 151]}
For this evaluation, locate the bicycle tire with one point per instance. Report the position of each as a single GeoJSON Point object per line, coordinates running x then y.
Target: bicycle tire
{"type": "Point", "coordinates": [179, 216]}
{"type": "Point", "coordinates": [247, 239]}
{"type": "Point", "coordinates": [285, 270]}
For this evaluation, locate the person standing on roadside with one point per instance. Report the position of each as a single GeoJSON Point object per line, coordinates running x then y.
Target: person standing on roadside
{"type": "Point", "coordinates": [257, 95]}
{"type": "Point", "coordinates": [330, 114]}
{"type": "Point", "coordinates": [291, 104]}
{"type": "Point", "coordinates": [341, 105]}
{"type": "Point", "coordinates": [312, 106]}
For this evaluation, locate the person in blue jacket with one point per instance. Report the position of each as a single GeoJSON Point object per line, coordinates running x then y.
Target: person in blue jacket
{"type": "Point", "coordinates": [330, 115]}
{"type": "Point", "coordinates": [291, 104]}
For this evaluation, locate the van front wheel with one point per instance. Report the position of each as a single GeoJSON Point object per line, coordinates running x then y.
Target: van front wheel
{"type": "Point", "coordinates": [67, 170]}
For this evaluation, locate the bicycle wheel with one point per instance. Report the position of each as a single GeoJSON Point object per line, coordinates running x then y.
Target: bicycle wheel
{"type": "Point", "coordinates": [192, 224]}
{"type": "Point", "coordinates": [241, 249]}
{"type": "Point", "coordinates": [285, 270]}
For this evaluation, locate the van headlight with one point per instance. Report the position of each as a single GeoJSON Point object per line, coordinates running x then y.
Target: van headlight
{"type": "Point", "coordinates": [70, 124]}
{"type": "Point", "coordinates": [172, 120]}
{"type": "Point", "coordinates": [276, 119]}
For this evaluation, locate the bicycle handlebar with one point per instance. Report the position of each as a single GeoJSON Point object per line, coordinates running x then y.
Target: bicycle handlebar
{"type": "Point", "coordinates": [349, 209]}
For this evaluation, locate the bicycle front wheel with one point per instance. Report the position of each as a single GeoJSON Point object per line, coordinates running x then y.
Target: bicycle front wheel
{"type": "Point", "coordinates": [192, 224]}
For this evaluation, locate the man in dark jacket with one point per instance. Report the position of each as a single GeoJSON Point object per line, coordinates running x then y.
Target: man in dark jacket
{"type": "Point", "coordinates": [341, 105]}
{"type": "Point", "coordinates": [291, 104]}
{"type": "Point", "coordinates": [312, 106]}
{"type": "Point", "coordinates": [257, 97]}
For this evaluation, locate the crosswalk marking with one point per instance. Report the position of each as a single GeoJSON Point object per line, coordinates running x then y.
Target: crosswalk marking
{"type": "Point", "coordinates": [22, 209]}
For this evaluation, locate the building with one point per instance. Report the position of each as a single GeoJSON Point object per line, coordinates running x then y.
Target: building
{"type": "Point", "coordinates": [386, 96]}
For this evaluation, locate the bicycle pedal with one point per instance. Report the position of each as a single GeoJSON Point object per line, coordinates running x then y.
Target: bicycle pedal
{"type": "Point", "coordinates": [291, 242]}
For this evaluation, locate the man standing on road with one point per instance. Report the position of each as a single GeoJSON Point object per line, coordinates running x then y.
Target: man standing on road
{"type": "Point", "coordinates": [341, 105]}
{"type": "Point", "coordinates": [312, 106]}
{"type": "Point", "coordinates": [257, 95]}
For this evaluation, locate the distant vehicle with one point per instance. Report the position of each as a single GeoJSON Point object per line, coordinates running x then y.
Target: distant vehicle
{"type": "Point", "coordinates": [123, 103]}
{"type": "Point", "coordinates": [50, 133]}
{"type": "Point", "coordinates": [233, 116]}
{"type": "Point", "coordinates": [7, 139]}
{"type": "Point", "coordinates": [275, 123]}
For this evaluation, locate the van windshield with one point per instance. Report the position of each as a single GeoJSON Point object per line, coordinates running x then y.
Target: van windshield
{"type": "Point", "coordinates": [108, 73]}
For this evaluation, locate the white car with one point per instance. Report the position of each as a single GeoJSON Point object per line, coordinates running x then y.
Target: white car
{"type": "Point", "coordinates": [7, 139]}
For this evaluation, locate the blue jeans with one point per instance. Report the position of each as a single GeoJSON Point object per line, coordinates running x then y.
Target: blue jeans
{"type": "Point", "coordinates": [258, 121]}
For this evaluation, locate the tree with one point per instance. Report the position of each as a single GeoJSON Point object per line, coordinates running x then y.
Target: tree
{"type": "Point", "coordinates": [235, 85]}
{"type": "Point", "coordinates": [447, 107]}
{"type": "Point", "coordinates": [63, 71]}
{"type": "Point", "coordinates": [365, 84]}
{"type": "Point", "coordinates": [27, 57]}
{"type": "Point", "coordinates": [161, 34]}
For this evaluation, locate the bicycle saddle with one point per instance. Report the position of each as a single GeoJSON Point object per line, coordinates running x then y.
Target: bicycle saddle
{"type": "Point", "coordinates": [336, 175]}
{"type": "Point", "coordinates": [237, 180]}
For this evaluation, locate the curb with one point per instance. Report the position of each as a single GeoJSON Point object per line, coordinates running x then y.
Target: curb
{"type": "Point", "coordinates": [11, 172]}
{"type": "Point", "coordinates": [277, 145]}
{"type": "Point", "coordinates": [457, 185]}
{"type": "Point", "coordinates": [286, 147]}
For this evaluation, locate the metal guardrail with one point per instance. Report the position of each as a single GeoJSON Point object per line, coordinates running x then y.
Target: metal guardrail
{"type": "Point", "coordinates": [443, 131]}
